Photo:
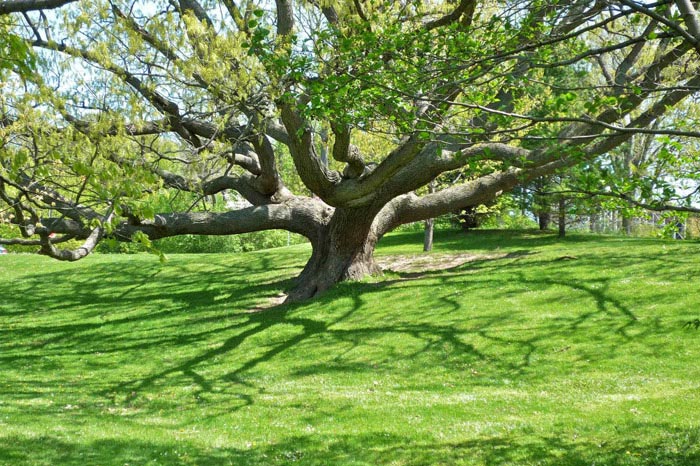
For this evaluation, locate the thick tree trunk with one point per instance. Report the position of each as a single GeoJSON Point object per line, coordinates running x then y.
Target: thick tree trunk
{"type": "Point", "coordinates": [562, 217]}
{"type": "Point", "coordinates": [544, 219]}
{"type": "Point", "coordinates": [593, 223]}
{"type": "Point", "coordinates": [344, 250]}
{"type": "Point", "coordinates": [627, 225]}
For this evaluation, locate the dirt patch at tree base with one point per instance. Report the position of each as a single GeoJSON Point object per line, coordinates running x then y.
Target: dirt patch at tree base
{"type": "Point", "coordinates": [269, 303]}
{"type": "Point", "coordinates": [411, 267]}
{"type": "Point", "coordinates": [420, 263]}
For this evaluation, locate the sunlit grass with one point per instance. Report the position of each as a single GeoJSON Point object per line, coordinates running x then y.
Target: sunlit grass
{"type": "Point", "coordinates": [555, 352]}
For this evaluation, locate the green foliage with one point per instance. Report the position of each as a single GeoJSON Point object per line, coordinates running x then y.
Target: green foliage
{"type": "Point", "coordinates": [505, 213]}
{"type": "Point", "coordinates": [515, 357]}
{"type": "Point", "coordinates": [147, 98]}
{"type": "Point", "coordinates": [443, 222]}
{"type": "Point", "coordinates": [15, 54]}
{"type": "Point", "coordinates": [509, 220]}
{"type": "Point", "coordinates": [228, 244]}
{"type": "Point", "coordinates": [672, 224]}
{"type": "Point", "coordinates": [197, 244]}
{"type": "Point", "coordinates": [12, 231]}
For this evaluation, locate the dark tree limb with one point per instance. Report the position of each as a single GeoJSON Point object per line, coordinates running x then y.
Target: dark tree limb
{"type": "Point", "coordinates": [345, 152]}
{"type": "Point", "coordinates": [23, 6]}
{"type": "Point", "coordinates": [48, 247]}
{"type": "Point", "coordinates": [465, 9]}
{"type": "Point", "coordinates": [691, 38]}
{"type": "Point", "coordinates": [360, 11]}
{"type": "Point", "coordinates": [34, 242]}
{"type": "Point", "coordinates": [195, 8]}
{"type": "Point", "coordinates": [298, 215]}
{"type": "Point", "coordinates": [313, 173]}
{"type": "Point", "coordinates": [328, 11]}
{"type": "Point", "coordinates": [690, 17]}
{"type": "Point", "coordinates": [144, 34]}
{"type": "Point", "coordinates": [285, 17]}
{"type": "Point", "coordinates": [269, 181]}
{"type": "Point", "coordinates": [235, 12]}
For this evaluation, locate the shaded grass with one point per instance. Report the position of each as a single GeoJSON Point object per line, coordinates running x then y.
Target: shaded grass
{"type": "Point", "coordinates": [560, 353]}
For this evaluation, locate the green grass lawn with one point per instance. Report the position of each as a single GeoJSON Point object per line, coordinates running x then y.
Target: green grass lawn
{"type": "Point", "coordinates": [536, 352]}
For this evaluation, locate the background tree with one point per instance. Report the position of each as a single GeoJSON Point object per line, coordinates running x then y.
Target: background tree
{"type": "Point", "coordinates": [132, 99]}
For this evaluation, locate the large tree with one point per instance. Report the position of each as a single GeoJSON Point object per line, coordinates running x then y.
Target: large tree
{"type": "Point", "coordinates": [133, 100]}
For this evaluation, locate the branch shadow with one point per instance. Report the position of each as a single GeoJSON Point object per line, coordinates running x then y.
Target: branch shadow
{"type": "Point", "coordinates": [200, 314]}
{"type": "Point", "coordinates": [233, 327]}
{"type": "Point", "coordinates": [678, 448]}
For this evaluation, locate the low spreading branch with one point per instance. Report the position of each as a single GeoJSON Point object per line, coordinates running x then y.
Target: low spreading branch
{"type": "Point", "coordinates": [23, 6]}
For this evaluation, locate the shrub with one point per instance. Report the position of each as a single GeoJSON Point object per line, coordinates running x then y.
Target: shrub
{"type": "Point", "coordinates": [510, 221]}
{"type": "Point", "coordinates": [196, 244]}
{"type": "Point", "coordinates": [12, 231]}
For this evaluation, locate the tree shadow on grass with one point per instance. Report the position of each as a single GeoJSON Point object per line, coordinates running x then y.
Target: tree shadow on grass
{"type": "Point", "coordinates": [136, 310]}
{"type": "Point", "coordinates": [456, 240]}
{"type": "Point", "coordinates": [187, 319]}
{"type": "Point", "coordinates": [219, 332]}
{"type": "Point", "coordinates": [620, 317]}
{"type": "Point", "coordinates": [677, 448]}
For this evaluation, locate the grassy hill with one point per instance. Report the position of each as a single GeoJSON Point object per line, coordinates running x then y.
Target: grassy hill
{"type": "Point", "coordinates": [506, 349]}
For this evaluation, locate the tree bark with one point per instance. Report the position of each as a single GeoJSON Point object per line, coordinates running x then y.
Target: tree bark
{"type": "Point", "coordinates": [626, 225]}
{"type": "Point", "coordinates": [429, 225]}
{"type": "Point", "coordinates": [343, 250]}
{"type": "Point", "coordinates": [562, 217]}
{"type": "Point", "coordinates": [23, 6]}
{"type": "Point", "coordinates": [428, 239]}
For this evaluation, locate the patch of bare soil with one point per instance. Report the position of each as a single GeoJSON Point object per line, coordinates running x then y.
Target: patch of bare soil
{"type": "Point", "coordinates": [412, 266]}
{"type": "Point", "coordinates": [268, 303]}
{"type": "Point", "coordinates": [432, 262]}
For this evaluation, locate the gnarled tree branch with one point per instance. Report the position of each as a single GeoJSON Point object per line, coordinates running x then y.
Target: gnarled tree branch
{"type": "Point", "coordinates": [23, 6]}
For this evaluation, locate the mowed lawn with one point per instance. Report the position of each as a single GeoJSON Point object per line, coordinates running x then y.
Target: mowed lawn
{"type": "Point", "coordinates": [535, 351]}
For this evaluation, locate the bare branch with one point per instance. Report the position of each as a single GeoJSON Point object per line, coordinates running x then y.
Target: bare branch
{"type": "Point", "coordinates": [34, 242]}
{"type": "Point", "coordinates": [313, 173]}
{"type": "Point", "coordinates": [654, 207]}
{"type": "Point", "coordinates": [34, 29]}
{"type": "Point", "coordinates": [360, 12]}
{"type": "Point", "coordinates": [236, 14]}
{"type": "Point", "coordinates": [690, 17]}
{"type": "Point", "coordinates": [23, 6]}
{"type": "Point", "coordinates": [465, 8]}
{"type": "Point", "coordinates": [694, 40]}
{"type": "Point", "coordinates": [49, 249]}
{"type": "Point", "coordinates": [285, 17]}
{"type": "Point", "coordinates": [195, 8]}
{"type": "Point", "coordinates": [296, 214]}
